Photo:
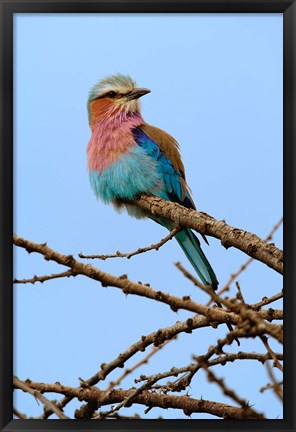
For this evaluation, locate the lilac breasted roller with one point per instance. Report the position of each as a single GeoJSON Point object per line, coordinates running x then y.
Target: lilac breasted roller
{"type": "Point", "coordinates": [128, 157]}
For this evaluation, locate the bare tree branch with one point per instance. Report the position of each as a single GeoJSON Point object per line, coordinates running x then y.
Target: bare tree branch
{"type": "Point", "coordinates": [266, 301]}
{"type": "Point", "coordinates": [238, 307]}
{"type": "Point", "coordinates": [44, 278]}
{"type": "Point", "coordinates": [157, 338]}
{"type": "Point", "coordinates": [127, 286]}
{"type": "Point", "coordinates": [249, 243]}
{"type": "Point", "coordinates": [276, 386]}
{"type": "Point", "coordinates": [247, 263]}
{"type": "Point", "coordinates": [271, 353]}
{"type": "Point", "coordinates": [144, 360]}
{"type": "Point", "coordinates": [222, 360]}
{"type": "Point", "coordinates": [129, 255]}
{"type": "Point", "coordinates": [245, 330]}
{"type": "Point", "coordinates": [250, 321]}
{"type": "Point", "coordinates": [19, 414]}
{"type": "Point", "coordinates": [185, 403]}
{"type": "Point", "coordinates": [117, 416]}
{"type": "Point", "coordinates": [226, 390]}
{"type": "Point", "coordinates": [26, 387]}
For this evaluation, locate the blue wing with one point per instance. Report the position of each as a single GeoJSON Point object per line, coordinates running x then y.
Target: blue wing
{"type": "Point", "coordinates": [173, 180]}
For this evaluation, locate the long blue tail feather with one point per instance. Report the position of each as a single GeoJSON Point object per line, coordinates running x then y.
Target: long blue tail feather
{"type": "Point", "coordinates": [191, 247]}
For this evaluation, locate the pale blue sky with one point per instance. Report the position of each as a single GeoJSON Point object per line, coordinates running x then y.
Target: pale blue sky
{"type": "Point", "coordinates": [216, 82]}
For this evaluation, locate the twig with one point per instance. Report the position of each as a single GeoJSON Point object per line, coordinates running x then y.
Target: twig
{"type": "Point", "coordinates": [247, 263]}
{"type": "Point", "coordinates": [220, 360]}
{"type": "Point", "coordinates": [231, 357]}
{"type": "Point", "coordinates": [26, 387]}
{"type": "Point", "coordinates": [233, 277]}
{"type": "Point", "coordinates": [237, 307]}
{"type": "Point", "coordinates": [274, 229]}
{"type": "Point", "coordinates": [122, 417]}
{"type": "Point", "coordinates": [19, 414]}
{"type": "Point", "coordinates": [275, 384]}
{"type": "Point", "coordinates": [270, 386]}
{"type": "Point", "coordinates": [240, 294]}
{"type": "Point", "coordinates": [45, 278]}
{"type": "Point", "coordinates": [127, 401]}
{"type": "Point", "coordinates": [266, 301]}
{"type": "Point", "coordinates": [144, 360]}
{"type": "Point", "coordinates": [60, 405]}
{"type": "Point", "coordinates": [244, 330]}
{"type": "Point", "coordinates": [228, 392]}
{"type": "Point", "coordinates": [208, 290]}
{"type": "Point", "coordinates": [128, 255]}
{"type": "Point", "coordinates": [271, 353]}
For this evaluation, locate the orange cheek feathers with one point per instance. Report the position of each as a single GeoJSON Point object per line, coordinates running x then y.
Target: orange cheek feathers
{"type": "Point", "coordinates": [99, 108]}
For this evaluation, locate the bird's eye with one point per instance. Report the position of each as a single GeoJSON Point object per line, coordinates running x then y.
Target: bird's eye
{"type": "Point", "coordinates": [111, 94]}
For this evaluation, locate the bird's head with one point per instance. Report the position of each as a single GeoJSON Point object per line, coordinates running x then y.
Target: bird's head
{"type": "Point", "coordinates": [117, 94]}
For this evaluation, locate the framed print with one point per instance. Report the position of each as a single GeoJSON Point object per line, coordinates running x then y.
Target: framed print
{"type": "Point", "coordinates": [147, 198]}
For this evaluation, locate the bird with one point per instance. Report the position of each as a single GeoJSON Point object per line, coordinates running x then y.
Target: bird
{"type": "Point", "coordinates": [128, 157]}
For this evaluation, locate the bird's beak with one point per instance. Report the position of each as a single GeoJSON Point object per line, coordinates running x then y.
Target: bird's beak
{"type": "Point", "coordinates": [136, 94]}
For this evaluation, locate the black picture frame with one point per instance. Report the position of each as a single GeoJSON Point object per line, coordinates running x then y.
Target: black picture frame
{"type": "Point", "coordinates": [8, 8]}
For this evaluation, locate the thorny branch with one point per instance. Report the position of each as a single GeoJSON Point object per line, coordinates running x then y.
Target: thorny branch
{"type": "Point", "coordinates": [220, 360]}
{"type": "Point", "coordinates": [247, 263]}
{"type": "Point", "coordinates": [34, 392]}
{"type": "Point", "coordinates": [175, 303]}
{"type": "Point", "coordinates": [129, 255]}
{"type": "Point", "coordinates": [44, 278]}
{"type": "Point", "coordinates": [127, 286]}
{"type": "Point", "coordinates": [265, 301]}
{"type": "Point", "coordinates": [238, 307]}
{"type": "Point", "coordinates": [187, 404]}
{"type": "Point", "coordinates": [226, 390]}
{"type": "Point", "coordinates": [157, 338]}
{"type": "Point", "coordinates": [144, 360]}
{"type": "Point", "coordinates": [250, 321]}
{"type": "Point", "coordinates": [277, 386]}
{"type": "Point", "coordinates": [19, 414]}
{"type": "Point", "coordinates": [247, 242]}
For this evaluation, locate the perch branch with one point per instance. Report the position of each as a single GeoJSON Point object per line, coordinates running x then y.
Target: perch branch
{"type": "Point", "coordinates": [229, 236]}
